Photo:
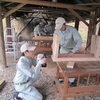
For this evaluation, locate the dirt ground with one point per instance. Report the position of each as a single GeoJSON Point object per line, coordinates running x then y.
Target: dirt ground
{"type": "Point", "coordinates": [44, 85]}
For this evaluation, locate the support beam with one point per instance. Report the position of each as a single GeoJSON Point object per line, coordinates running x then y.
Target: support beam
{"type": "Point", "coordinates": [51, 4]}
{"type": "Point", "coordinates": [13, 10]}
{"type": "Point", "coordinates": [78, 16]}
{"type": "Point", "coordinates": [90, 4]}
{"type": "Point", "coordinates": [2, 47]}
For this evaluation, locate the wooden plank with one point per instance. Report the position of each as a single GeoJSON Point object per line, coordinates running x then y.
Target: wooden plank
{"type": "Point", "coordinates": [88, 80]}
{"type": "Point", "coordinates": [78, 80]}
{"type": "Point", "coordinates": [84, 89]}
{"type": "Point", "coordinates": [43, 48]}
{"type": "Point", "coordinates": [2, 83]}
{"type": "Point", "coordinates": [60, 71]}
{"type": "Point", "coordinates": [82, 73]}
{"type": "Point", "coordinates": [76, 55]}
{"type": "Point", "coordinates": [51, 4]}
{"type": "Point", "coordinates": [75, 59]}
{"type": "Point", "coordinates": [93, 43]}
{"type": "Point", "coordinates": [97, 47]}
{"type": "Point", "coordinates": [70, 64]}
{"type": "Point", "coordinates": [43, 38]}
{"type": "Point", "coordinates": [65, 88]}
{"type": "Point", "coordinates": [83, 94]}
{"type": "Point", "coordinates": [59, 87]}
{"type": "Point", "coordinates": [13, 10]}
{"type": "Point", "coordinates": [44, 43]}
{"type": "Point", "coordinates": [55, 46]}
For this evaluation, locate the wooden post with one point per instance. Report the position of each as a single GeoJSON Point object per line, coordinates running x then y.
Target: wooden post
{"type": "Point", "coordinates": [92, 27]}
{"type": "Point", "coordinates": [77, 23]}
{"type": "Point", "coordinates": [65, 88]}
{"type": "Point", "coordinates": [2, 47]}
{"type": "Point", "coordinates": [99, 29]}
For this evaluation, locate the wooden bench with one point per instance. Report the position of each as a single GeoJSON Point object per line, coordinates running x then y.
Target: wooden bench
{"type": "Point", "coordinates": [43, 43]}
{"type": "Point", "coordinates": [80, 72]}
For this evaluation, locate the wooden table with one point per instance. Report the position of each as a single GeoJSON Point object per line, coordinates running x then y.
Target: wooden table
{"type": "Point", "coordinates": [81, 71]}
{"type": "Point", "coordinates": [43, 43]}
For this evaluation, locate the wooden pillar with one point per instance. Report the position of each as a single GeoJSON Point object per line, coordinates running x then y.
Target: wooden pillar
{"type": "Point", "coordinates": [2, 47]}
{"type": "Point", "coordinates": [91, 28]}
{"type": "Point", "coordinates": [99, 29]}
{"type": "Point", "coordinates": [77, 23]}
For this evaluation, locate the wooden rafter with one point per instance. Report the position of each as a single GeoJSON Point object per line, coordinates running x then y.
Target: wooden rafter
{"type": "Point", "coordinates": [78, 16]}
{"type": "Point", "coordinates": [90, 4]}
{"type": "Point", "coordinates": [51, 4]}
{"type": "Point", "coordinates": [13, 10]}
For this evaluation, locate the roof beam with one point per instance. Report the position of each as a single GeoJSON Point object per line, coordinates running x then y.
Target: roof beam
{"type": "Point", "coordinates": [78, 16]}
{"type": "Point", "coordinates": [89, 4]}
{"type": "Point", "coordinates": [13, 10]}
{"type": "Point", "coordinates": [51, 4]}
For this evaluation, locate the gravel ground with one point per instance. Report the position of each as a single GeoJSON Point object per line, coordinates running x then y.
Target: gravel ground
{"type": "Point", "coordinates": [44, 85]}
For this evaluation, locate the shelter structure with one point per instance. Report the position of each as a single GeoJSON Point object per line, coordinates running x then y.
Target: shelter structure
{"type": "Point", "coordinates": [71, 10]}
